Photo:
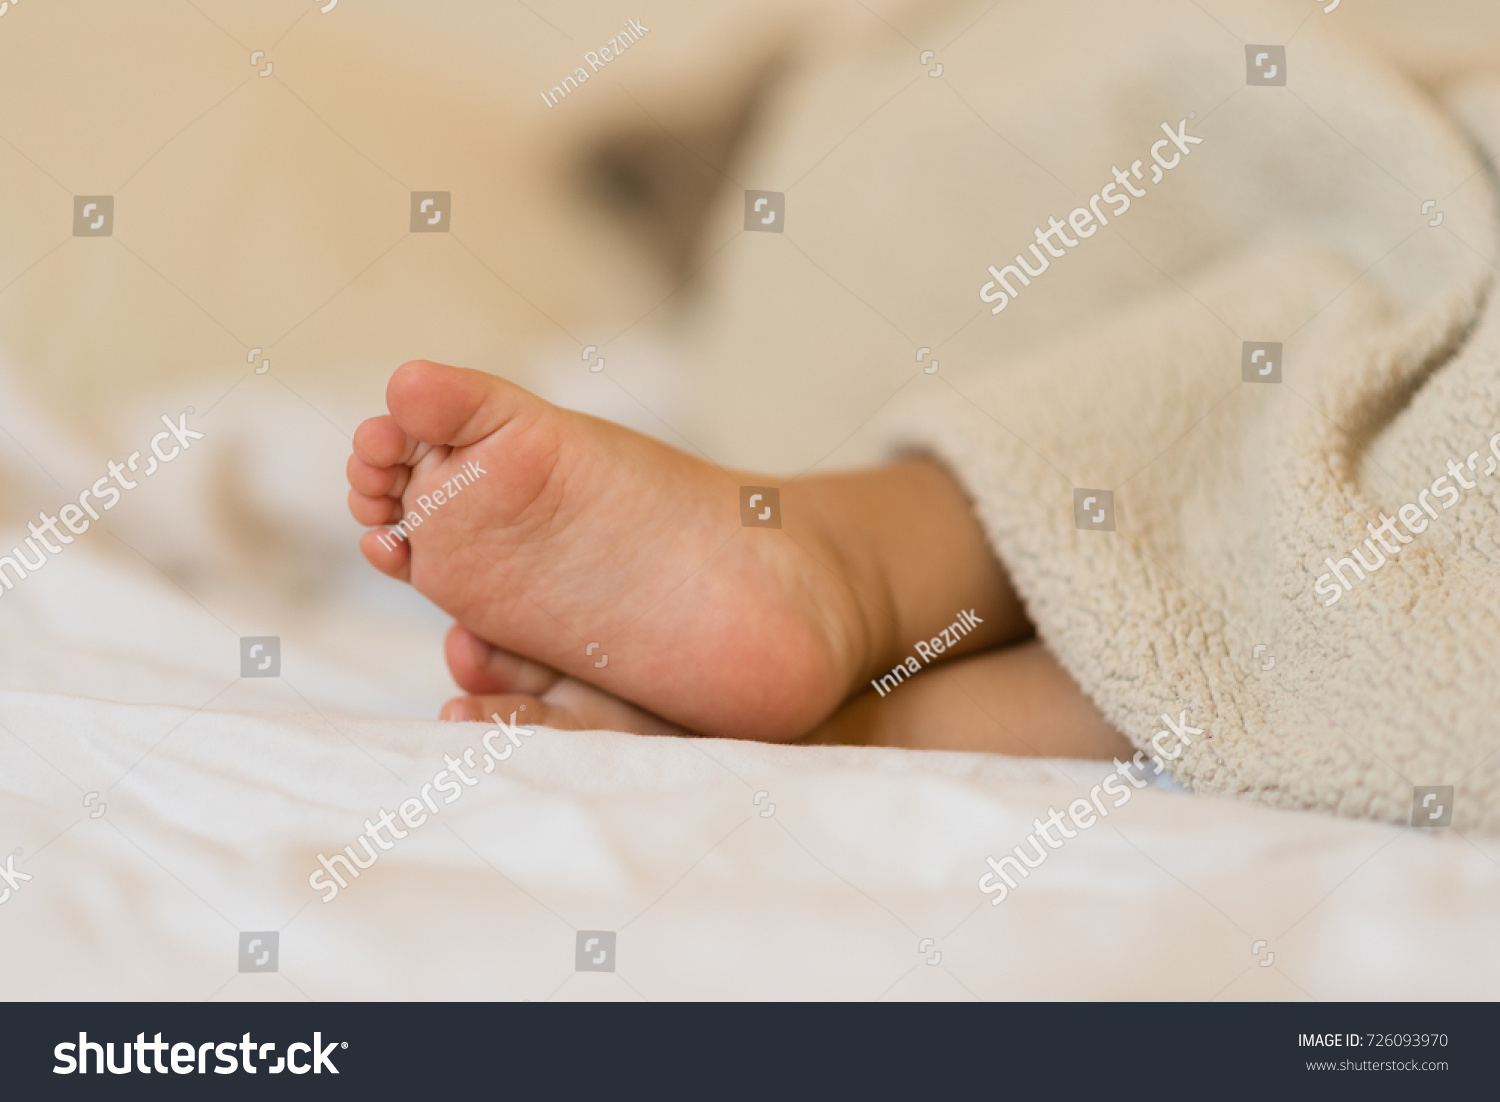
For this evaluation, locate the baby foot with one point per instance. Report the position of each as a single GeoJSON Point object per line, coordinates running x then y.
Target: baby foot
{"type": "Point", "coordinates": [544, 532]}
{"type": "Point", "coordinates": [500, 683]}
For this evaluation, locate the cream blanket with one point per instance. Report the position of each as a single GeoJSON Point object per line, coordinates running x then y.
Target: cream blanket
{"type": "Point", "coordinates": [1300, 221]}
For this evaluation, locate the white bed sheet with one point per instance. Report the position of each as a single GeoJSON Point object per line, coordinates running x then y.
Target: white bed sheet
{"type": "Point", "coordinates": [218, 793]}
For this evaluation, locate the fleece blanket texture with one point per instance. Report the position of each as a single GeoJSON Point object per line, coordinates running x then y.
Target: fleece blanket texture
{"type": "Point", "coordinates": [1259, 496]}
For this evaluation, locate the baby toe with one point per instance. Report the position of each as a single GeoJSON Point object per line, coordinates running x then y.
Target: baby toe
{"type": "Point", "coordinates": [386, 554]}
{"type": "Point", "coordinates": [381, 442]}
{"type": "Point", "coordinates": [478, 667]}
{"type": "Point", "coordinates": [374, 481]}
{"type": "Point", "coordinates": [527, 709]}
{"type": "Point", "coordinates": [370, 511]}
{"type": "Point", "coordinates": [452, 406]}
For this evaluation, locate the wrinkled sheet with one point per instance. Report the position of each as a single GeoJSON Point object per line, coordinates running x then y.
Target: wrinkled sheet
{"type": "Point", "coordinates": [217, 795]}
